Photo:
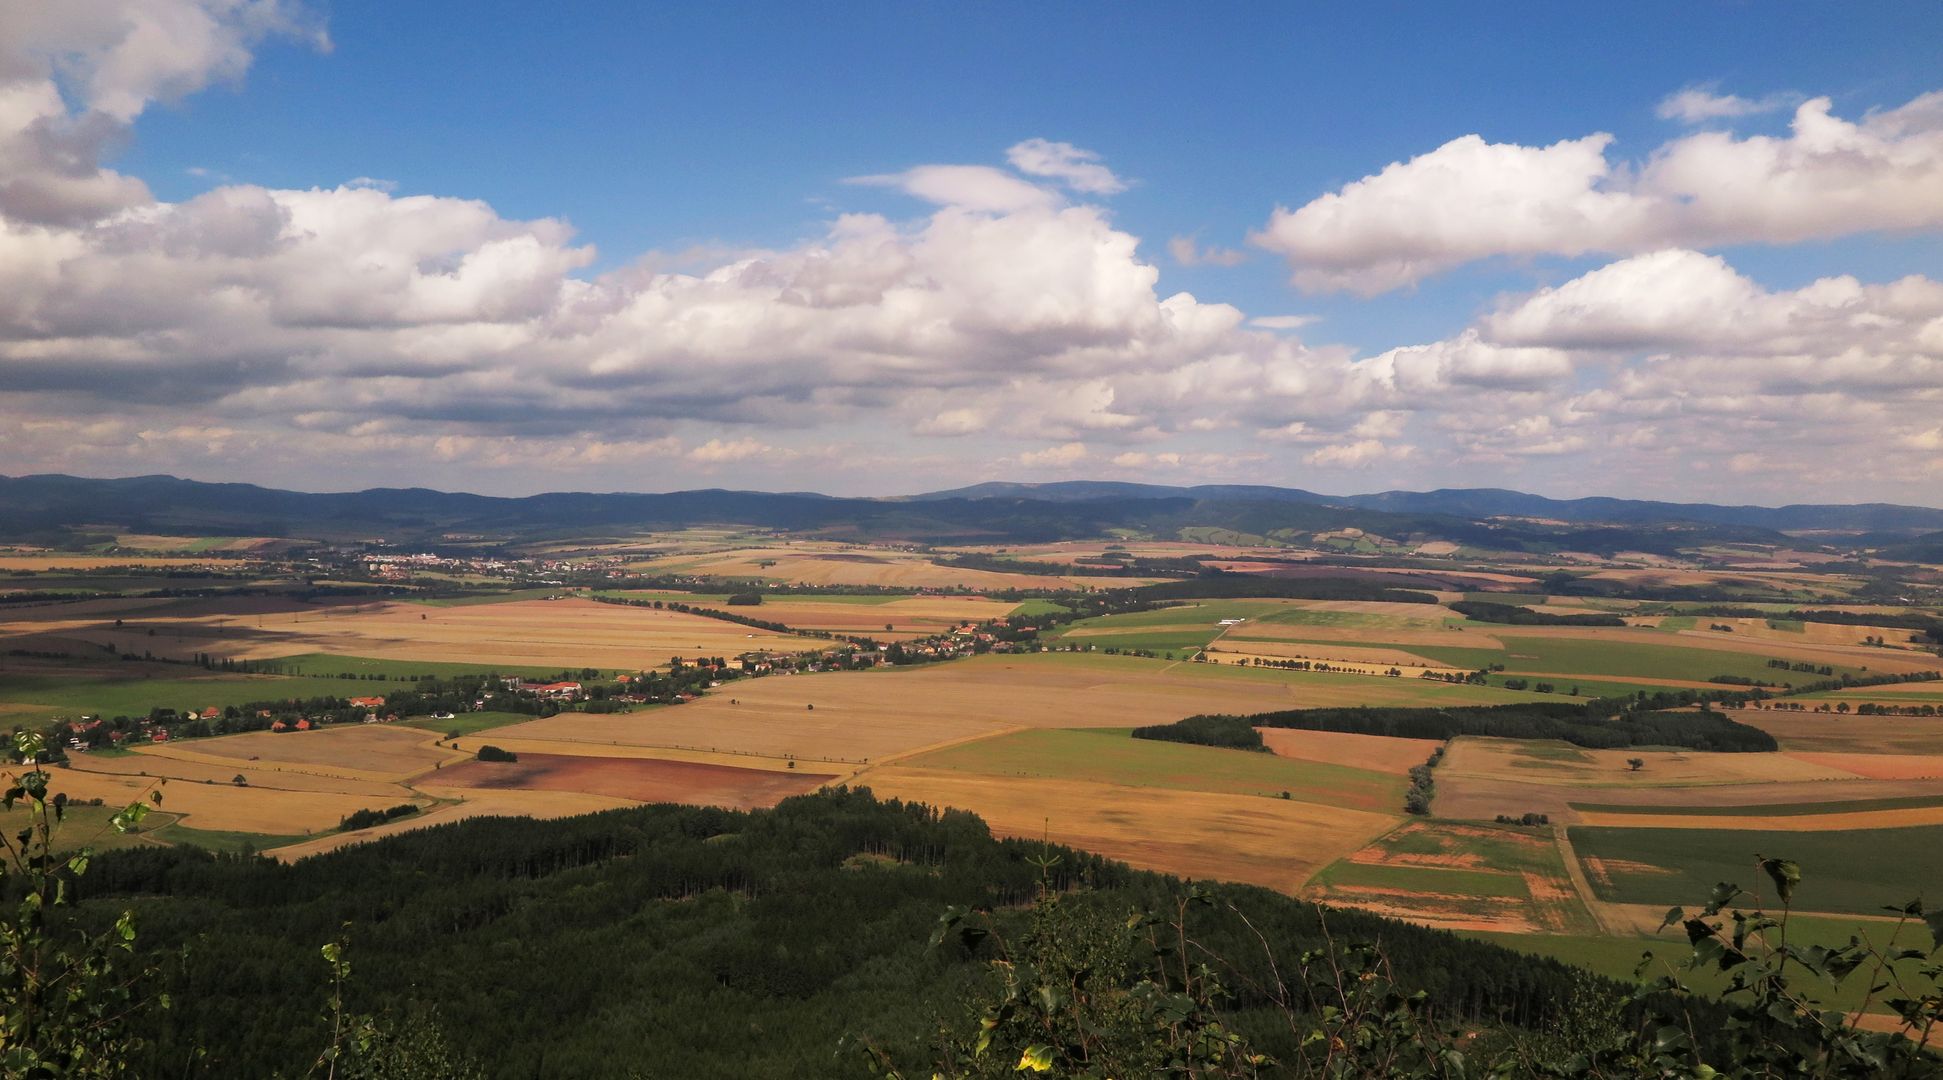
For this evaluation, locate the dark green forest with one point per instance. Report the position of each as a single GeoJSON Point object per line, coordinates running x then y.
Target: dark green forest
{"type": "Point", "coordinates": [1598, 725]}
{"type": "Point", "coordinates": [677, 941]}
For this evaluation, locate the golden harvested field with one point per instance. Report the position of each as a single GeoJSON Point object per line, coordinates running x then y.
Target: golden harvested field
{"type": "Point", "coordinates": [219, 770]}
{"type": "Point", "coordinates": [1835, 820]}
{"type": "Point", "coordinates": [1472, 798]}
{"type": "Point", "coordinates": [792, 564]}
{"type": "Point", "coordinates": [222, 806]}
{"type": "Point", "coordinates": [538, 804]}
{"type": "Point", "coordinates": [41, 563]}
{"type": "Point", "coordinates": [545, 633]}
{"type": "Point", "coordinates": [915, 616]}
{"type": "Point", "coordinates": [1399, 636]}
{"type": "Point", "coordinates": [1270, 842]}
{"type": "Point", "coordinates": [1878, 766]}
{"type": "Point", "coordinates": [1810, 633]}
{"type": "Point", "coordinates": [1376, 752]}
{"type": "Point", "coordinates": [153, 542]}
{"type": "Point", "coordinates": [1833, 733]}
{"type": "Point", "coordinates": [1068, 551]}
{"type": "Point", "coordinates": [1558, 763]}
{"type": "Point", "coordinates": [865, 716]}
{"type": "Point", "coordinates": [1876, 660]}
{"type": "Point", "coordinates": [1230, 648]}
{"type": "Point", "coordinates": [368, 751]}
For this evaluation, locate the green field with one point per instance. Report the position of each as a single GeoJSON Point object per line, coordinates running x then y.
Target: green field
{"type": "Point", "coordinates": [1434, 880]}
{"type": "Point", "coordinates": [221, 841]}
{"type": "Point", "coordinates": [87, 826]}
{"type": "Point", "coordinates": [1584, 688]}
{"type": "Point", "coordinates": [650, 596]}
{"type": "Point", "coordinates": [1524, 599]}
{"type": "Point", "coordinates": [135, 697]}
{"type": "Point", "coordinates": [1640, 659]}
{"type": "Point", "coordinates": [1849, 871]}
{"type": "Point", "coordinates": [467, 723]}
{"type": "Point", "coordinates": [1187, 628]}
{"type": "Point", "coordinates": [1619, 957]}
{"type": "Point", "coordinates": [1814, 809]}
{"type": "Point", "coordinates": [1330, 688]}
{"type": "Point", "coordinates": [1197, 613]}
{"type": "Point", "coordinates": [1113, 757]}
{"type": "Point", "coordinates": [1040, 607]}
{"type": "Point", "coordinates": [1184, 643]}
{"type": "Point", "coordinates": [330, 665]}
{"type": "Point", "coordinates": [1925, 696]}
{"type": "Point", "coordinates": [1503, 861]}
{"type": "Point", "coordinates": [486, 598]}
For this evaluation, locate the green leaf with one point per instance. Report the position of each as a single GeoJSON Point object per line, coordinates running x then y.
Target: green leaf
{"type": "Point", "coordinates": [1785, 873]}
{"type": "Point", "coordinates": [1673, 915]}
{"type": "Point", "coordinates": [1037, 1058]}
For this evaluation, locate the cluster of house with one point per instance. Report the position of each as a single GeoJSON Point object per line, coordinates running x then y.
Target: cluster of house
{"type": "Point", "coordinates": [550, 691]}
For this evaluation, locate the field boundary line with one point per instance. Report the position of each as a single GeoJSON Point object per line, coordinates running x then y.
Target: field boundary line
{"type": "Point", "coordinates": [1575, 872]}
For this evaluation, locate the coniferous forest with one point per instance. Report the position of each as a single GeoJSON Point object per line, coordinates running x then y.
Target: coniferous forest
{"type": "Point", "coordinates": [666, 940]}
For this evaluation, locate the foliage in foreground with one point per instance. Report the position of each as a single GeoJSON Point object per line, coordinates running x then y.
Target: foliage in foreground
{"type": "Point", "coordinates": [746, 944]}
{"type": "Point", "coordinates": [1083, 994]}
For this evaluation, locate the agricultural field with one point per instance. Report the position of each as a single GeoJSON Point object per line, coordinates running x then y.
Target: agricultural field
{"type": "Point", "coordinates": [1038, 743]}
{"type": "Point", "coordinates": [1110, 756]}
{"type": "Point", "coordinates": [864, 717]}
{"type": "Point", "coordinates": [1461, 876]}
{"type": "Point", "coordinates": [1854, 871]}
{"type": "Point", "coordinates": [1271, 842]}
{"type": "Point", "coordinates": [1618, 956]}
{"type": "Point", "coordinates": [1813, 732]}
{"type": "Point", "coordinates": [530, 634]}
{"type": "Point", "coordinates": [43, 562]}
{"type": "Point", "coordinates": [882, 616]}
{"type": "Point", "coordinates": [117, 691]}
{"type": "Point", "coordinates": [635, 779]}
{"type": "Point", "coordinates": [832, 564]}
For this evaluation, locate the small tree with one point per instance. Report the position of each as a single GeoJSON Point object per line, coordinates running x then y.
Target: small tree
{"type": "Point", "coordinates": [1636, 764]}
{"type": "Point", "coordinates": [65, 1000]}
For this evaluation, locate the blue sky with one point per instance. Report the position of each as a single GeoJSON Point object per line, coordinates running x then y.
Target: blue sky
{"type": "Point", "coordinates": [665, 126]}
{"type": "Point", "coordinates": [681, 139]}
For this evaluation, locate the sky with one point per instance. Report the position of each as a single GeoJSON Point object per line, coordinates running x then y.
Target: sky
{"type": "Point", "coordinates": [1681, 251]}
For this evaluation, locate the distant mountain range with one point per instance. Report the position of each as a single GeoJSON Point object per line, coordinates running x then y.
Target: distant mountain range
{"type": "Point", "coordinates": [1496, 502]}
{"type": "Point", "coordinates": [44, 508]}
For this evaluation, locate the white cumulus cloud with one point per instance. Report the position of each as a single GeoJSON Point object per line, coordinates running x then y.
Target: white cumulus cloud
{"type": "Point", "coordinates": [1471, 199]}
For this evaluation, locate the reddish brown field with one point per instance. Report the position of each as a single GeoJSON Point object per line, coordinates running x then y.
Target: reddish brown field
{"type": "Point", "coordinates": [639, 779]}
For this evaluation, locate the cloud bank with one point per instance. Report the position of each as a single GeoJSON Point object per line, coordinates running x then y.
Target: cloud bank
{"type": "Point", "coordinates": [1005, 325]}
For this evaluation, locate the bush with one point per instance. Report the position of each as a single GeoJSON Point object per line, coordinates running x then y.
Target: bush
{"type": "Point", "coordinates": [494, 753]}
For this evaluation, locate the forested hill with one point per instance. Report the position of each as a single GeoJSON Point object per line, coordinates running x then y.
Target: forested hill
{"type": "Point", "coordinates": [61, 510]}
{"type": "Point", "coordinates": [1496, 502]}
{"type": "Point", "coordinates": [671, 940]}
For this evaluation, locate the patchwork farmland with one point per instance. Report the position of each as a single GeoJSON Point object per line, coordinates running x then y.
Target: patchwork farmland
{"type": "Point", "coordinates": [1561, 849]}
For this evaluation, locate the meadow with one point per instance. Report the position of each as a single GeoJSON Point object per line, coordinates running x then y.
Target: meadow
{"type": "Point", "coordinates": [1460, 875]}
{"type": "Point", "coordinates": [1851, 871]}
{"type": "Point", "coordinates": [1109, 756]}
{"type": "Point", "coordinates": [537, 635]}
